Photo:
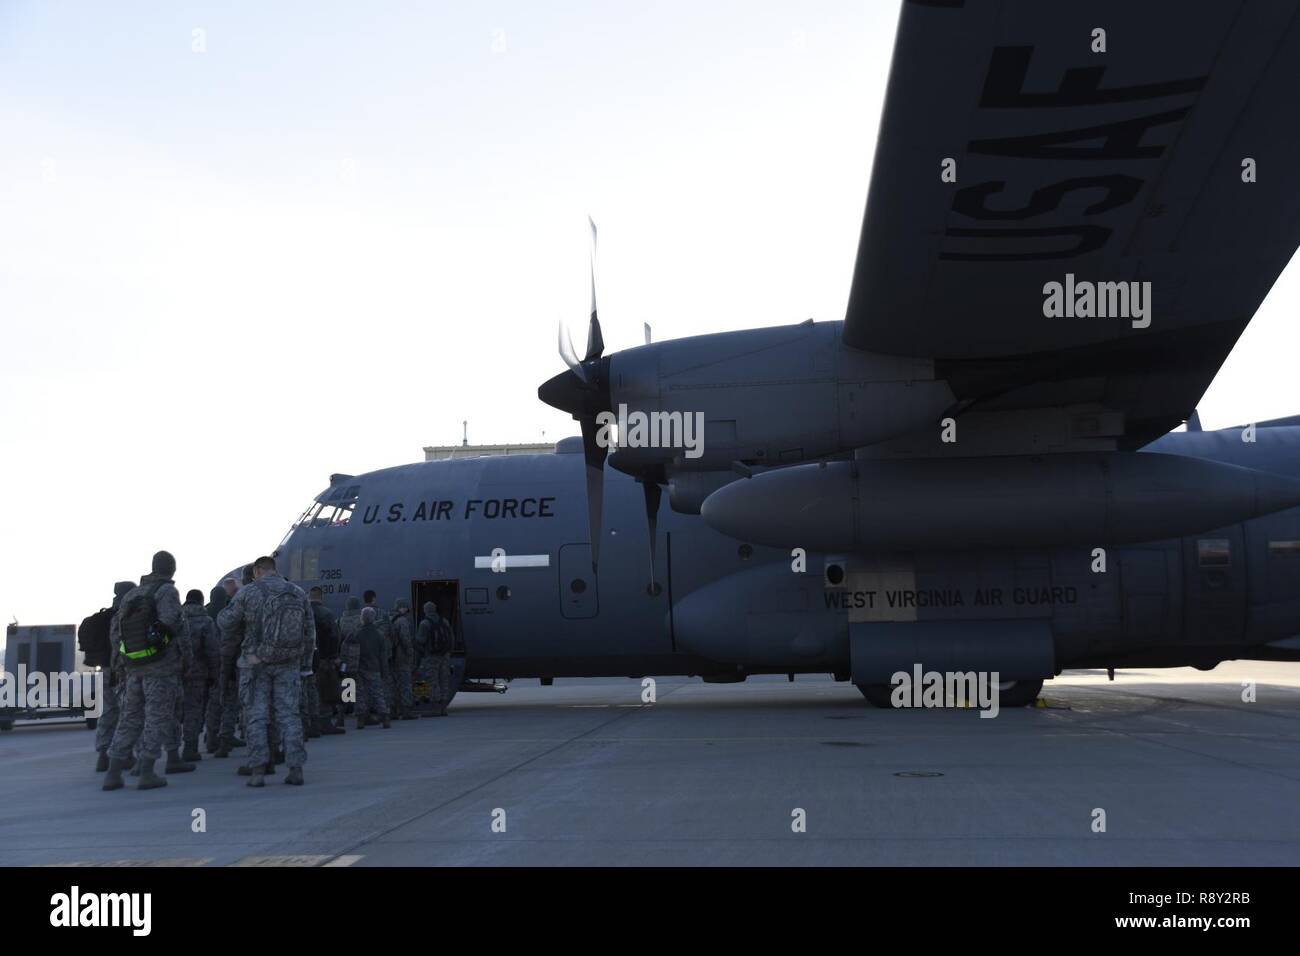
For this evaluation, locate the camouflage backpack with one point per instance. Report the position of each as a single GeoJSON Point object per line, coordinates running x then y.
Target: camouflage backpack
{"type": "Point", "coordinates": [283, 627]}
{"type": "Point", "coordinates": [351, 653]}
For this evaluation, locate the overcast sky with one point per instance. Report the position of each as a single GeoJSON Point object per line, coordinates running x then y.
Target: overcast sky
{"type": "Point", "coordinates": [244, 245]}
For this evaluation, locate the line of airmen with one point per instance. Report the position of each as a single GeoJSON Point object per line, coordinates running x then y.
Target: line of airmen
{"type": "Point", "coordinates": [263, 651]}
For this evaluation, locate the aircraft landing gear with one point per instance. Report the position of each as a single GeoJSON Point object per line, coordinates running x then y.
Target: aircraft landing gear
{"type": "Point", "coordinates": [1019, 693]}
{"type": "Point", "coordinates": [877, 695]}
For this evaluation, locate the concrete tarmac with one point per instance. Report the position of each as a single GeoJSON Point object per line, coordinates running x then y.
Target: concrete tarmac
{"type": "Point", "coordinates": [584, 772]}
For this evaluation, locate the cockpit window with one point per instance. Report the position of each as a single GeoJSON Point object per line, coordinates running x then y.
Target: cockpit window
{"type": "Point", "coordinates": [334, 506]}
{"type": "Point", "coordinates": [332, 509]}
{"type": "Point", "coordinates": [333, 516]}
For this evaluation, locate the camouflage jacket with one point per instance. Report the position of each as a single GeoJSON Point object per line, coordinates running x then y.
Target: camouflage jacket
{"type": "Point", "coordinates": [403, 640]}
{"type": "Point", "coordinates": [384, 624]}
{"type": "Point", "coordinates": [242, 619]}
{"type": "Point", "coordinates": [204, 643]}
{"type": "Point", "coordinates": [167, 601]}
{"type": "Point", "coordinates": [349, 623]}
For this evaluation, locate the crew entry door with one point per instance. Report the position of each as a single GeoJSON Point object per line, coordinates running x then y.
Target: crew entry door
{"type": "Point", "coordinates": [577, 582]}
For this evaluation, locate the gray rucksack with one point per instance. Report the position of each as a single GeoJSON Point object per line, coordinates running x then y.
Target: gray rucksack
{"type": "Point", "coordinates": [283, 627]}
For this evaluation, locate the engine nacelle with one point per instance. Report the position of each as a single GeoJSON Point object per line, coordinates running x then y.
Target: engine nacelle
{"type": "Point", "coordinates": [765, 397]}
{"type": "Point", "coordinates": [1021, 501]}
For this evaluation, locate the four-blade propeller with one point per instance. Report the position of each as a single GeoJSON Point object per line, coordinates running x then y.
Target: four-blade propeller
{"type": "Point", "coordinates": [583, 392]}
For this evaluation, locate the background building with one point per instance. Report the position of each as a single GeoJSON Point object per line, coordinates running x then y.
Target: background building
{"type": "Point", "coordinates": [444, 452]}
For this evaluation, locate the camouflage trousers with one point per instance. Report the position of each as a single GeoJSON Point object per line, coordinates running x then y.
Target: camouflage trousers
{"type": "Point", "coordinates": [309, 702]}
{"type": "Point", "coordinates": [148, 716]}
{"type": "Point", "coordinates": [229, 704]}
{"type": "Point", "coordinates": [107, 722]}
{"type": "Point", "coordinates": [271, 692]}
{"type": "Point", "coordinates": [440, 680]}
{"type": "Point", "coordinates": [195, 709]}
{"type": "Point", "coordinates": [212, 713]}
{"type": "Point", "coordinates": [370, 695]}
{"type": "Point", "coordinates": [424, 670]}
{"type": "Point", "coordinates": [402, 680]}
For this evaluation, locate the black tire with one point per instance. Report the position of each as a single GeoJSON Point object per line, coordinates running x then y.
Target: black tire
{"type": "Point", "coordinates": [1016, 693]}
{"type": "Point", "coordinates": [1019, 693]}
{"type": "Point", "coordinates": [877, 695]}
{"type": "Point", "coordinates": [92, 723]}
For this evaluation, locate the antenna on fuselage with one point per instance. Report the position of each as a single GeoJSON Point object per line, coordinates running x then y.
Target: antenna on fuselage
{"type": "Point", "coordinates": [464, 439]}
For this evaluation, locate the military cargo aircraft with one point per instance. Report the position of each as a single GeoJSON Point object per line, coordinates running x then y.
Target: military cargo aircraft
{"type": "Point", "coordinates": [1075, 210]}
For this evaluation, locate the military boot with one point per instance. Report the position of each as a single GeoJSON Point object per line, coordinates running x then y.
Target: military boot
{"type": "Point", "coordinates": [223, 748]}
{"type": "Point", "coordinates": [361, 722]}
{"type": "Point", "coordinates": [256, 779]}
{"type": "Point", "coordinates": [135, 767]}
{"type": "Point", "coordinates": [148, 779]}
{"type": "Point", "coordinates": [326, 728]}
{"type": "Point", "coordinates": [175, 764]}
{"type": "Point", "coordinates": [101, 764]}
{"type": "Point", "coordinates": [191, 754]}
{"type": "Point", "coordinates": [236, 742]}
{"type": "Point", "coordinates": [247, 770]}
{"type": "Point", "coordinates": [113, 779]}
{"type": "Point", "coordinates": [385, 722]}
{"type": "Point", "coordinates": [294, 777]}
{"type": "Point", "coordinates": [213, 743]}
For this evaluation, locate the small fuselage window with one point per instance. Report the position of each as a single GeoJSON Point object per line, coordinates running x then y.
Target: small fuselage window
{"type": "Point", "coordinates": [1214, 552]}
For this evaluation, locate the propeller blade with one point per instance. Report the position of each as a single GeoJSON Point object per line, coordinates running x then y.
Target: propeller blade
{"type": "Point", "coordinates": [647, 332]}
{"type": "Point", "coordinates": [594, 454]}
{"type": "Point", "coordinates": [595, 341]}
{"type": "Point", "coordinates": [569, 355]}
{"type": "Point", "coordinates": [653, 495]}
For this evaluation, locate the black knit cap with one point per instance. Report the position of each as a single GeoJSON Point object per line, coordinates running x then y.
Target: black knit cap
{"type": "Point", "coordinates": [164, 564]}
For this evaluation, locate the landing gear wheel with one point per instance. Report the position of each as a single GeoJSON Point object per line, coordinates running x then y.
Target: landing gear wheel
{"type": "Point", "coordinates": [1019, 693]}
{"type": "Point", "coordinates": [6, 725]}
{"type": "Point", "coordinates": [877, 695]}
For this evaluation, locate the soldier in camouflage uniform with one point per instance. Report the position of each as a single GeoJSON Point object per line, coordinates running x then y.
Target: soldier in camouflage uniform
{"type": "Point", "coordinates": [349, 624]}
{"type": "Point", "coordinates": [114, 685]}
{"type": "Point", "coordinates": [269, 686]}
{"type": "Point", "coordinates": [403, 659]}
{"type": "Point", "coordinates": [372, 670]}
{"type": "Point", "coordinates": [217, 599]}
{"type": "Point", "coordinates": [435, 639]}
{"type": "Point", "coordinates": [325, 685]}
{"type": "Point", "coordinates": [385, 627]}
{"type": "Point", "coordinates": [230, 641]}
{"type": "Point", "coordinates": [152, 683]}
{"type": "Point", "coordinates": [200, 680]}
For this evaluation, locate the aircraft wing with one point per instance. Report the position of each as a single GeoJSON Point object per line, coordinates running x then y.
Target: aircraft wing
{"type": "Point", "coordinates": [1131, 165]}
